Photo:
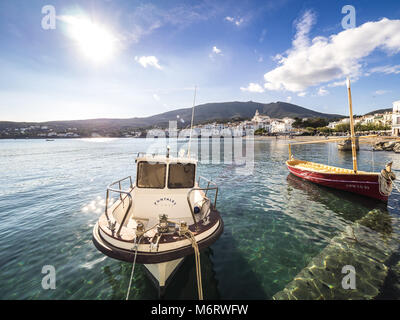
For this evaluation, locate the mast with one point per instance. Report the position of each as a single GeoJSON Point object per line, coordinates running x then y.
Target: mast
{"type": "Point", "coordinates": [353, 137]}
{"type": "Point", "coordinates": [191, 124]}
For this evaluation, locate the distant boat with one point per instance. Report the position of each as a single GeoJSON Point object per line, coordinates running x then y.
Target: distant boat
{"type": "Point", "coordinates": [376, 185]}
{"type": "Point", "coordinates": [345, 145]}
{"type": "Point", "coordinates": [49, 139]}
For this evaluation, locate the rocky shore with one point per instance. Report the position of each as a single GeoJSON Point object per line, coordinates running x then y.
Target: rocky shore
{"type": "Point", "coordinates": [387, 146]}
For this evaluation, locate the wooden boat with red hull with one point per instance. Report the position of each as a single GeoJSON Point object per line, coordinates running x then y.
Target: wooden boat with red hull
{"type": "Point", "coordinates": [377, 185]}
{"type": "Point", "coordinates": [363, 183]}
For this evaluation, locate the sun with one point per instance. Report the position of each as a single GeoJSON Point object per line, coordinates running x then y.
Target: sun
{"type": "Point", "coordinates": [94, 41]}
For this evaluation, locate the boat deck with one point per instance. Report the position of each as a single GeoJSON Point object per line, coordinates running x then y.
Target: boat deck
{"type": "Point", "coordinates": [322, 168]}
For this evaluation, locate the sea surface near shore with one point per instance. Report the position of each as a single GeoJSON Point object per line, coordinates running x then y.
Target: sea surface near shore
{"type": "Point", "coordinates": [52, 193]}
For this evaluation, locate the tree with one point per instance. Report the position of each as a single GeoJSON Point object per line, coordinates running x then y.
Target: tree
{"type": "Point", "coordinates": [312, 122]}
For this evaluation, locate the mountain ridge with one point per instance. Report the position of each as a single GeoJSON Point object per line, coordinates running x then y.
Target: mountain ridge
{"type": "Point", "coordinates": [207, 112]}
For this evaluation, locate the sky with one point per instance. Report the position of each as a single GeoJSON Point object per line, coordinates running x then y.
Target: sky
{"type": "Point", "coordinates": [122, 59]}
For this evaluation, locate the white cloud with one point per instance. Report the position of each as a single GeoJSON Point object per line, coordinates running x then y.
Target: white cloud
{"type": "Point", "coordinates": [338, 83]}
{"type": "Point", "coordinates": [381, 92]}
{"type": "Point", "coordinates": [147, 18]}
{"type": "Point", "coordinates": [216, 50]}
{"type": "Point", "coordinates": [262, 36]}
{"type": "Point", "coordinates": [302, 94]}
{"type": "Point", "coordinates": [310, 63]}
{"type": "Point", "coordinates": [303, 27]}
{"type": "Point", "coordinates": [253, 87]}
{"type": "Point", "coordinates": [237, 21]}
{"type": "Point", "coordinates": [289, 99]}
{"type": "Point", "coordinates": [322, 91]}
{"type": "Point", "coordinates": [156, 97]}
{"type": "Point", "coordinates": [150, 61]}
{"type": "Point", "coordinates": [386, 69]}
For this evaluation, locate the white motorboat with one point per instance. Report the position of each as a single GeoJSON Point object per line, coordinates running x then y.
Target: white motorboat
{"type": "Point", "coordinates": [162, 218]}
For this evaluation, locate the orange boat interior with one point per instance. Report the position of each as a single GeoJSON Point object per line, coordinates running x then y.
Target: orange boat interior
{"type": "Point", "coordinates": [322, 168]}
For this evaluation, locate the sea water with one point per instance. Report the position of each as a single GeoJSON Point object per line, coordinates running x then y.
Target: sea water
{"type": "Point", "coordinates": [53, 192]}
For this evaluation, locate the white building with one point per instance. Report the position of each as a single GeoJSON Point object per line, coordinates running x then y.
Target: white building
{"type": "Point", "coordinates": [396, 119]}
{"type": "Point", "coordinates": [369, 119]}
{"type": "Point", "coordinates": [281, 126]}
{"type": "Point", "coordinates": [261, 121]}
{"type": "Point", "coordinates": [387, 118]}
{"type": "Point", "coordinates": [333, 124]}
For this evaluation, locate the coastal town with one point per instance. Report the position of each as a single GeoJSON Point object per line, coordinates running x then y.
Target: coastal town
{"type": "Point", "coordinates": [384, 123]}
{"type": "Point", "coordinates": [387, 123]}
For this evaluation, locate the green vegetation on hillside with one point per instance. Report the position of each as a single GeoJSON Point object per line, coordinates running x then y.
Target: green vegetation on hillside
{"type": "Point", "coordinates": [310, 123]}
{"type": "Point", "coordinates": [345, 127]}
{"type": "Point", "coordinates": [205, 113]}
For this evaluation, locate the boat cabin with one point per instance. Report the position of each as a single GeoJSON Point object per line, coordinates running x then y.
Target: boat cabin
{"type": "Point", "coordinates": [164, 186]}
{"type": "Point", "coordinates": [165, 173]}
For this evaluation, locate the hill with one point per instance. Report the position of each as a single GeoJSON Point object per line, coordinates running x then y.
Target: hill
{"type": "Point", "coordinates": [203, 113]}
{"type": "Point", "coordinates": [379, 111]}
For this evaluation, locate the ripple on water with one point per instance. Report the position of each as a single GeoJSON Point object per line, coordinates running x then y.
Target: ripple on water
{"type": "Point", "coordinates": [275, 224]}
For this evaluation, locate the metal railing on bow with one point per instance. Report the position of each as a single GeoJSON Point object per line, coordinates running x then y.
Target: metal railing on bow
{"type": "Point", "coordinates": [110, 189]}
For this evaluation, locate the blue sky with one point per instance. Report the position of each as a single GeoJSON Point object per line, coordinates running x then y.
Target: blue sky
{"type": "Point", "coordinates": [148, 55]}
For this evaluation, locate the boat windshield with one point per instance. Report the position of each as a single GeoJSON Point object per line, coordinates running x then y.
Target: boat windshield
{"type": "Point", "coordinates": [181, 175]}
{"type": "Point", "coordinates": [151, 175]}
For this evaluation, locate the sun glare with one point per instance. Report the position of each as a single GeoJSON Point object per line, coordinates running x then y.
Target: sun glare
{"type": "Point", "coordinates": [96, 42]}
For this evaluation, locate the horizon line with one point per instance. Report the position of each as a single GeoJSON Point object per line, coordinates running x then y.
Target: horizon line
{"type": "Point", "coordinates": [143, 117]}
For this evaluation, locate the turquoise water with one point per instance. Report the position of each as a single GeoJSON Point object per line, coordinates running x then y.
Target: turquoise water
{"type": "Point", "coordinates": [52, 193]}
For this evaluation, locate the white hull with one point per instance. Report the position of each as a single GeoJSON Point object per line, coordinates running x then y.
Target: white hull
{"type": "Point", "coordinates": [161, 272]}
{"type": "Point", "coordinates": [160, 220]}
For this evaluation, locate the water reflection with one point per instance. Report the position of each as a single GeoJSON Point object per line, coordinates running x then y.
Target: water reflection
{"type": "Point", "coordinates": [182, 286]}
{"type": "Point", "coordinates": [184, 283]}
{"type": "Point", "coordinates": [350, 206]}
{"type": "Point", "coordinates": [370, 245]}
{"type": "Point", "coordinates": [275, 225]}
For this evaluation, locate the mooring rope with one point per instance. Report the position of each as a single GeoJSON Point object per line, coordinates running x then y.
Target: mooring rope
{"type": "Point", "coordinates": [135, 247]}
{"type": "Point", "coordinates": [192, 239]}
